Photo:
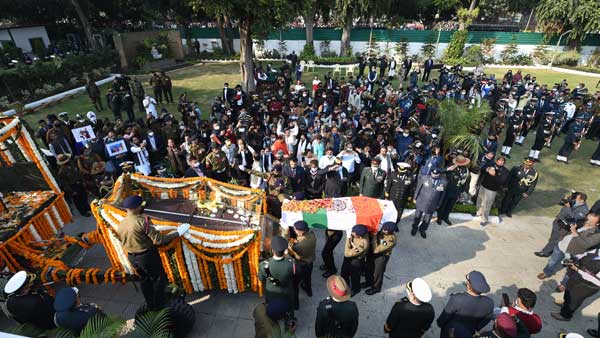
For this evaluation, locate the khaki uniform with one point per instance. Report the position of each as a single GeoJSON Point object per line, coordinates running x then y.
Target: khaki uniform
{"type": "Point", "coordinates": [265, 327]}
{"type": "Point", "coordinates": [354, 261]}
{"type": "Point", "coordinates": [304, 249]}
{"type": "Point", "coordinates": [137, 236]}
{"type": "Point", "coordinates": [382, 245]}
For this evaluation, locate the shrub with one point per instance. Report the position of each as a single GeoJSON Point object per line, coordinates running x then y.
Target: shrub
{"type": "Point", "coordinates": [428, 49]}
{"type": "Point", "coordinates": [473, 55]}
{"type": "Point", "coordinates": [401, 47]}
{"type": "Point", "coordinates": [510, 51]}
{"type": "Point", "coordinates": [568, 58]}
{"type": "Point", "coordinates": [308, 52]}
{"type": "Point", "coordinates": [456, 46]}
{"type": "Point", "coordinates": [594, 59]}
{"type": "Point", "coordinates": [487, 50]}
{"type": "Point", "coordinates": [541, 55]}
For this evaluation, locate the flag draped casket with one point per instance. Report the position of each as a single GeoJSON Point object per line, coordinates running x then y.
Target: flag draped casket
{"type": "Point", "coordinates": [339, 213]}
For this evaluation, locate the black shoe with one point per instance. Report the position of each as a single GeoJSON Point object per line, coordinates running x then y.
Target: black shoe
{"type": "Point", "coordinates": [541, 254]}
{"type": "Point", "coordinates": [372, 291]}
{"type": "Point", "coordinates": [509, 214]}
{"type": "Point", "coordinates": [354, 293]}
{"type": "Point", "coordinates": [439, 221]}
{"type": "Point", "coordinates": [594, 333]}
{"type": "Point", "coordinates": [413, 232]}
{"type": "Point", "coordinates": [447, 221]}
{"type": "Point", "coordinates": [423, 233]}
{"type": "Point", "coordinates": [323, 267]}
{"type": "Point", "coordinates": [328, 274]}
{"type": "Point", "coordinates": [307, 290]}
{"type": "Point", "coordinates": [364, 285]}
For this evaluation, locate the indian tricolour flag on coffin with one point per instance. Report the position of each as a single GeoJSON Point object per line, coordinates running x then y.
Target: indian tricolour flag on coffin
{"type": "Point", "coordinates": [339, 213]}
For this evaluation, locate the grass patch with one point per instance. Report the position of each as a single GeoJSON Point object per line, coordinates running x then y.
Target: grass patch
{"type": "Point", "coordinates": [204, 82]}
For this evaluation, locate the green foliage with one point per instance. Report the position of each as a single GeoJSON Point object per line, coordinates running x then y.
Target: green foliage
{"type": "Point", "coordinates": [401, 47]}
{"type": "Point", "coordinates": [48, 77]}
{"type": "Point", "coordinates": [143, 49]}
{"type": "Point", "coordinates": [325, 48]}
{"type": "Point", "coordinates": [26, 330]}
{"type": "Point", "coordinates": [558, 16]}
{"type": "Point", "coordinates": [372, 49]}
{"type": "Point", "coordinates": [510, 56]}
{"type": "Point", "coordinates": [487, 50]}
{"type": "Point", "coordinates": [456, 46]}
{"type": "Point", "coordinates": [329, 60]}
{"type": "Point", "coordinates": [567, 58]}
{"type": "Point", "coordinates": [541, 55]}
{"type": "Point", "coordinates": [428, 49]}
{"type": "Point", "coordinates": [466, 16]}
{"type": "Point", "coordinates": [473, 55]}
{"type": "Point", "coordinates": [282, 44]}
{"type": "Point", "coordinates": [153, 325]}
{"type": "Point", "coordinates": [308, 52]}
{"type": "Point", "coordinates": [594, 59]}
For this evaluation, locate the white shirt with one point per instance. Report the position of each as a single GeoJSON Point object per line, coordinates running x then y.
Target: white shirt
{"type": "Point", "coordinates": [325, 161]}
{"type": "Point", "coordinates": [150, 106]}
{"type": "Point", "coordinates": [256, 182]}
{"type": "Point", "coordinates": [349, 160]}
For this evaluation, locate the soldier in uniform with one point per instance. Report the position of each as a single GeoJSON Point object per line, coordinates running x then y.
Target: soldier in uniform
{"type": "Point", "coordinates": [357, 245]}
{"type": "Point", "coordinates": [515, 124]}
{"type": "Point", "coordinates": [457, 175]}
{"type": "Point", "coordinates": [572, 140]}
{"type": "Point", "coordinates": [139, 239]}
{"type": "Point", "coordinates": [156, 83]}
{"type": "Point", "coordinates": [428, 197]}
{"type": "Point", "coordinates": [25, 305]}
{"type": "Point", "coordinates": [399, 188]}
{"type": "Point", "coordinates": [277, 186]}
{"type": "Point", "coordinates": [412, 316]}
{"type": "Point", "coordinates": [337, 315]}
{"type": "Point", "coordinates": [382, 244]}
{"type": "Point", "coordinates": [529, 116]}
{"type": "Point", "coordinates": [469, 310]}
{"type": "Point", "coordinates": [270, 320]}
{"type": "Point", "coordinates": [70, 313]}
{"type": "Point", "coordinates": [217, 164]}
{"type": "Point", "coordinates": [372, 180]}
{"type": "Point", "coordinates": [277, 273]}
{"type": "Point", "coordinates": [302, 249]}
{"type": "Point", "coordinates": [521, 183]}
{"type": "Point", "coordinates": [71, 182]}
{"type": "Point", "coordinates": [169, 131]}
{"type": "Point", "coordinates": [543, 134]}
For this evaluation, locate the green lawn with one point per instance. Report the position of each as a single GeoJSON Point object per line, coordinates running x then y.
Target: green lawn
{"type": "Point", "coordinates": [549, 77]}
{"type": "Point", "coordinates": [204, 82]}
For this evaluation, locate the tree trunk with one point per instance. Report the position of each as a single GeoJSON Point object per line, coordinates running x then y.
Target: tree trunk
{"type": "Point", "coordinates": [309, 22]}
{"type": "Point", "coordinates": [224, 43]}
{"type": "Point", "coordinates": [229, 33]}
{"type": "Point", "coordinates": [87, 28]}
{"type": "Point", "coordinates": [246, 62]}
{"type": "Point", "coordinates": [472, 6]}
{"type": "Point", "coordinates": [345, 43]}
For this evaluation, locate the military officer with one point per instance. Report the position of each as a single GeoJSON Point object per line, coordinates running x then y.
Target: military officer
{"type": "Point", "coordinates": [399, 188]}
{"type": "Point", "coordinates": [528, 114]}
{"type": "Point", "coordinates": [412, 315]}
{"type": "Point", "coordinates": [355, 250]}
{"type": "Point", "coordinates": [332, 238]}
{"type": "Point", "coordinates": [277, 273]}
{"type": "Point", "coordinates": [302, 249]}
{"type": "Point", "coordinates": [457, 175]}
{"type": "Point", "coordinates": [70, 313]}
{"type": "Point", "coordinates": [543, 135]}
{"type": "Point", "coordinates": [515, 124]}
{"type": "Point", "coordinates": [270, 320]}
{"type": "Point", "coordinates": [382, 244]}
{"type": "Point", "coordinates": [277, 187]}
{"type": "Point", "coordinates": [217, 164]}
{"type": "Point", "coordinates": [572, 140]}
{"type": "Point", "coordinates": [337, 315]}
{"type": "Point", "coordinates": [26, 305]}
{"type": "Point", "coordinates": [522, 180]}
{"type": "Point", "coordinates": [372, 180]}
{"type": "Point", "coordinates": [469, 310]}
{"type": "Point", "coordinates": [139, 239]}
{"type": "Point", "coordinates": [428, 197]}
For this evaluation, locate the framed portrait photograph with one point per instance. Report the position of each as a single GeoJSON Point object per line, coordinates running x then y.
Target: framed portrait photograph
{"type": "Point", "coordinates": [116, 148]}
{"type": "Point", "coordinates": [83, 134]}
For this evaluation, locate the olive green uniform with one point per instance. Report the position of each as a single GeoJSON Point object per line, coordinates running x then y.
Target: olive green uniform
{"type": "Point", "coordinates": [217, 164]}
{"type": "Point", "coordinates": [382, 245]}
{"type": "Point", "coordinates": [277, 277]}
{"type": "Point", "coordinates": [355, 251]}
{"type": "Point", "coordinates": [304, 249]}
{"type": "Point", "coordinates": [336, 319]}
{"type": "Point", "coordinates": [265, 327]}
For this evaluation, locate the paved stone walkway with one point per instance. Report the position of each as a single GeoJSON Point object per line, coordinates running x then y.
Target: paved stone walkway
{"type": "Point", "coordinates": [503, 252]}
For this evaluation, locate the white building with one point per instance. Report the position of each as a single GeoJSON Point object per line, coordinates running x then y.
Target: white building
{"type": "Point", "coordinates": [25, 37]}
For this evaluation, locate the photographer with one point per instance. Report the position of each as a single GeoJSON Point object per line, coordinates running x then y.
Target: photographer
{"type": "Point", "coordinates": [578, 241]}
{"type": "Point", "coordinates": [584, 281]}
{"type": "Point", "coordinates": [574, 210]}
{"type": "Point", "coordinates": [522, 308]}
{"type": "Point", "coordinates": [273, 319]}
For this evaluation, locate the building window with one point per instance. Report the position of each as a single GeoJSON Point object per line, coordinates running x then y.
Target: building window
{"type": "Point", "coordinates": [37, 46]}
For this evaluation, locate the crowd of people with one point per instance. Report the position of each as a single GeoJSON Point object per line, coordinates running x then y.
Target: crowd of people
{"type": "Point", "coordinates": [342, 136]}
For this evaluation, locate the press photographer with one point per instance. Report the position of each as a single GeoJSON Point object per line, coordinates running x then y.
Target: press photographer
{"type": "Point", "coordinates": [578, 241]}
{"type": "Point", "coordinates": [584, 281]}
{"type": "Point", "coordinates": [573, 211]}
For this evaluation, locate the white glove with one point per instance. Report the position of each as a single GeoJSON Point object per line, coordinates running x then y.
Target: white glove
{"type": "Point", "coordinates": [183, 228]}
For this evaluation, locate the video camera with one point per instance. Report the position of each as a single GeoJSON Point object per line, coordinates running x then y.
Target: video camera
{"type": "Point", "coordinates": [565, 224]}
{"type": "Point", "coordinates": [569, 199]}
{"type": "Point", "coordinates": [569, 261]}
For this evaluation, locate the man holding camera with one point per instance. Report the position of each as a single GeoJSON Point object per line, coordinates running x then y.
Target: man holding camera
{"type": "Point", "coordinates": [584, 281]}
{"type": "Point", "coordinates": [574, 210]}
{"type": "Point", "coordinates": [581, 239]}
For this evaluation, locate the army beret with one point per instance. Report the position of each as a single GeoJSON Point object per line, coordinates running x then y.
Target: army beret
{"type": "Point", "coordinates": [301, 225]}
{"type": "Point", "coordinates": [360, 230]}
{"type": "Point", "coordinates": [65, 299]}
{"type": "Point", "coordinates": [276, 308]}
{"type": "Point", "coordinates": [478, 282]}
{"type": "Point", "coordinates": [132, 202]}
{"type": "Point", "coordinates": [278, 243]}
{"type": "Point", "coordinates": [389, 226]}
